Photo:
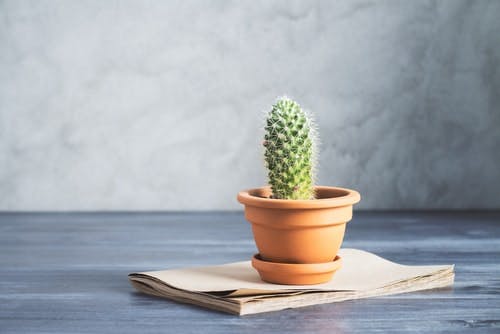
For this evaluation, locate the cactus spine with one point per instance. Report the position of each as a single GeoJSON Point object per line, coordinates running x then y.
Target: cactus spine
{"type": "Point", "coordinates": [289, 143]}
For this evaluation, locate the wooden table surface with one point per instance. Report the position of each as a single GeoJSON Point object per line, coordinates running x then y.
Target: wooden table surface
{"type": "Point", "coordinates": [67, 272]}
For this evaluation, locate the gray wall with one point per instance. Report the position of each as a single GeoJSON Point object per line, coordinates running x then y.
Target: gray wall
{"type": "Point", "coordinates": [158, 105]}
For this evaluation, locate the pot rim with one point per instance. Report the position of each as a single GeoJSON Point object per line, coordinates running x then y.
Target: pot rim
{"type": "Point", "coordinates": [345, 197]}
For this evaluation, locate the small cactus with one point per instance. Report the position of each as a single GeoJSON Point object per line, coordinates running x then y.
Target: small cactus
{"type": "Point", "coordinates": [289, 143]}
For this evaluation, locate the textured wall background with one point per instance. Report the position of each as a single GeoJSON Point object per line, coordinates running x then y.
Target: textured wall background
{"type": "Point", "coordinates": [158, 105]}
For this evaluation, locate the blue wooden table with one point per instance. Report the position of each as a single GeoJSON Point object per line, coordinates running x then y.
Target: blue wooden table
{"type": "Point", "coordinates": [67, 273]}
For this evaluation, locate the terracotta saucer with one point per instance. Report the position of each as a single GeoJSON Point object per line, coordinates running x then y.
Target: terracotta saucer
{"type": "Point", "coordinates": [296, 273]}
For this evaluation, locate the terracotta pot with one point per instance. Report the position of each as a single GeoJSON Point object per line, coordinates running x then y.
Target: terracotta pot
{"type": "Point", "coordinates": [299, 231]}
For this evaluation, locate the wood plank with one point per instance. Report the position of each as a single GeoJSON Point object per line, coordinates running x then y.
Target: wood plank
{"type": "Point", "coordinates": [67, 272]}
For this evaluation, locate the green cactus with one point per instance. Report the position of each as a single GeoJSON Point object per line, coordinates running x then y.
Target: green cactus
{"type": "Point", "coordinates": [289, 143]}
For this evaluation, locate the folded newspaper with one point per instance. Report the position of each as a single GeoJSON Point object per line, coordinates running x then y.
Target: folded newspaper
{"type": "Point", "coordinates": [237, 288]}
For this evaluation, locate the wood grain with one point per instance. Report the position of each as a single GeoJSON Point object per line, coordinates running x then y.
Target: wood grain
{"type": "Point", "coordinates": [67, 272]}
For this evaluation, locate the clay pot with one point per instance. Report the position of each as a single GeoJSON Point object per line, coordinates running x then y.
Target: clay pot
{"type": "Point", "coordinates": [299, 231]}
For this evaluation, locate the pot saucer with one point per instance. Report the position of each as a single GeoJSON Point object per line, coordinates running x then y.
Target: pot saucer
{"type": "Point", "coordinates": [296, 273]}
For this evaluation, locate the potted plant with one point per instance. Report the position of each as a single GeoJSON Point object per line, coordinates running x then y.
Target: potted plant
{"type": "Point", "coordinates": [298, 227]}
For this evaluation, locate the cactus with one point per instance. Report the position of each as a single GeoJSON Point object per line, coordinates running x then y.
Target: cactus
{"type": "Point", "coordinates": [289, 143]}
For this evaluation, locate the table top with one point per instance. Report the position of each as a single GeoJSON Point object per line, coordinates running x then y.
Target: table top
{"type": "Point", "coordinates": [67, 272]}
